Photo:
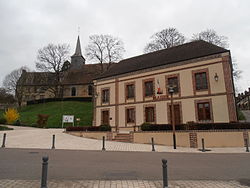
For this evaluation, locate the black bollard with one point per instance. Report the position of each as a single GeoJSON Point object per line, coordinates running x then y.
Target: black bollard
{"type": "Point", "coordinates": [153, 144]}
{"type": "Point", "coordinates": [53, 141]}
{"type": "Point", "coordinates": [103, 143]}
{"type": "Point", "coordinates": [165, 173]}
{"type": "Point", "coordinates": [203, 145]}
{"type": "Point", "coordinates": [246, 142]}
{"type": "Point", "coordinates": [4, 139]}
{"type": "Point", "coordinates": [44, 172]}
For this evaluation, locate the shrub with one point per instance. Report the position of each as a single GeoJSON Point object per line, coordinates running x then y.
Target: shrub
{"type": "Point", "coordinates": [145, 127]}
{"type": "Point", "coordinates": [11, 115]}
{"type": "Point", "coordinates": [195, 126]}
{"type": "Point", "coordinates": [241, 115]}
{"type": "Point", "coordinates": [69, 128]}
{"type": "Point", "coordinates": [91, 128]}
{"type": "Point", "coordinates": [42, 120]}
{"type": "Point", "coordinates": [4, 128]}
{"type": "Point", "coordinates": [17, 123]}
{"type": "Point", "coordinates": [105, 128]}
{"type": "Point", "coordinates": [2, 121]}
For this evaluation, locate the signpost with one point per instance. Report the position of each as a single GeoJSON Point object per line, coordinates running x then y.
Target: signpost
{"type": "Point", "coordinates": [67, 119]}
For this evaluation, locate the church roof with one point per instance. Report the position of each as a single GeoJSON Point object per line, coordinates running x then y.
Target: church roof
{"type": "Point", "coordinates": [85, 75]}
{"type": "Point", "coordinates": [37, 78]}
{"type": "Point", "coordinates": [188, 51]}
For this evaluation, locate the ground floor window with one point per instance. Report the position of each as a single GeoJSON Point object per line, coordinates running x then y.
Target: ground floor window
{"type": "Point", "coordinates": [204, 111]}
{"type": "Point", "coordinates": [130, 115]}
{"type": "Point", "coordinates": [150, 114]}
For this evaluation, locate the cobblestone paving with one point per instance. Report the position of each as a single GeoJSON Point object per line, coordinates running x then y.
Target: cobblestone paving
{"type": "Point", "coordinates": [5, 183]}
{"type": "Point", "coordinates": [35, 138]}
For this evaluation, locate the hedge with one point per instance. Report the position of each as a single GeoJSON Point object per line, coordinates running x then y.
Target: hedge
{"type": "Point", "coordinates": [91, 128]}
{"type": "Point", "coordinates": [195, 126]}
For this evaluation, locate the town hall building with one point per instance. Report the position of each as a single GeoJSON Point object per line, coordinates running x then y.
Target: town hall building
{"type": "Point", "coordinates": [136, 90]}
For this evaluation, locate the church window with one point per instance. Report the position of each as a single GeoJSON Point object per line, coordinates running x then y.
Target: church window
{"type": "Point", "coordinates": [90, 90]}
{"type": "Point", "coordinates": [73, 91]}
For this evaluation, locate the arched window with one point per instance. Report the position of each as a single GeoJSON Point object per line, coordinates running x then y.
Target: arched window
{"type": "Point", "coordinates": [73, 91]}
{"type": "Point", "coordinates": [90, 90]}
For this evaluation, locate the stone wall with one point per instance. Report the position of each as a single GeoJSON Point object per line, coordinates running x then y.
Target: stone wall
{"type": "Point", "coordinates": [215, 138]}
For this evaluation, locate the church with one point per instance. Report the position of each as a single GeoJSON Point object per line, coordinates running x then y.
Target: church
{"type": "Point", "coordinates": [76, 81]}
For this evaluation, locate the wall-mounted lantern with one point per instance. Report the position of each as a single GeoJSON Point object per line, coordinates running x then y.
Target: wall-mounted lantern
{"type": "Point", "coordinates": [216, 77]}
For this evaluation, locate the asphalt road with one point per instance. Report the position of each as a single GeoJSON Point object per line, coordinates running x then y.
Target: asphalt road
{"type": "Point", "coordinates": [97, 165]}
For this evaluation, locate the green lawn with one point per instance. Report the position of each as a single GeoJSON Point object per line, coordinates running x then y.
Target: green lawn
{"type": "Point", "coordinates": [55, 110]}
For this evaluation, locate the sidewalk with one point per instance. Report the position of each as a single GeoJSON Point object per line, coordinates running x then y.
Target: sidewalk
{"type": "Point", "coordinates": [121, 184]}
{"type": "Point", "coordinates": [34, 138]}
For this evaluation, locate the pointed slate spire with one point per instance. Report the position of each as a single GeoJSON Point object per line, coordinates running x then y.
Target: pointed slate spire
{"type": "Point", "coordinates": [78, 51]}
{"type": "Point", "coordinates": [77, 60]}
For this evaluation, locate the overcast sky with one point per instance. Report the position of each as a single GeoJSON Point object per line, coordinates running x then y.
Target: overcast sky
{"type": "Point", "coordinates": [27, 25]}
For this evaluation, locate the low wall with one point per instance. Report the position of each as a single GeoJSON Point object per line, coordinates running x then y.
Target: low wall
{"type": "Point", "coordinates": [95, 135]}
{"type": "Point", "coordinates": [162, 138]}
{"type": "Point", "coordinates": [221, 139]}
{"type": "Point", "coordinates": [212, 138]}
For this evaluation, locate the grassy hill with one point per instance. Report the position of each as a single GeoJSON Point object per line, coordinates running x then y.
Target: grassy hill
{"type": "Point", "coordinates": [55, 110]}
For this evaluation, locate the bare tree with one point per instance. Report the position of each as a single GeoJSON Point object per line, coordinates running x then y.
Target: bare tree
{"type": "Point", "coordinates": [236, 71]}
{"type": "Point", "coordinates": [104, 49]}
{"type": "Point", "coordinates": [51, 58]}
{"type": "Point", "coordinates": [6, 97]}
{"type": "Point", "coordinates": [164, 39]}
{"type": "Point", "coordinates": [211, 36]}
{"type": "Point", "coordinates": [11, 83]}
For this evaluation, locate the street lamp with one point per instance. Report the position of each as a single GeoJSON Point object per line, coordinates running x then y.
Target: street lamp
{"type": "Point", "coordinates": [171, 91]}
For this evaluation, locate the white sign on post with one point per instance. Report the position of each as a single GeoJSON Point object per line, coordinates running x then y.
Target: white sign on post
{"type": "Point", "coordinates": [67, 119]}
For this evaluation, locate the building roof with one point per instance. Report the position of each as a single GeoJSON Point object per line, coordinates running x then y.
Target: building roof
{"type": "Point", "coordinates": [85, 75]}
{"type": "Point", "coordinates": [187, 51]}
{"type": "Point", "coordinates": [37, 78]}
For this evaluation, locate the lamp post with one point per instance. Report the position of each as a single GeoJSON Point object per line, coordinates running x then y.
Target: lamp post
{"type": "Point", "coordinates": [171, 91]}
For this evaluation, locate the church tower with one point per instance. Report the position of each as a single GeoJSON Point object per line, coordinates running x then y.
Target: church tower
{"type": "Point", "coordinates": [77, 60]}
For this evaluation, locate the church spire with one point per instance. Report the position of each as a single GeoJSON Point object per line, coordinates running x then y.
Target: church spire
{"type": "Point", "coordinates": [77, 60]}
{"type": "Point", "coordinates": [78, 51]}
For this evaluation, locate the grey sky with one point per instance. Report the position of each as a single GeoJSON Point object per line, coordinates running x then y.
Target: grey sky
{"type": "Point", "coordinates": [28, 25]}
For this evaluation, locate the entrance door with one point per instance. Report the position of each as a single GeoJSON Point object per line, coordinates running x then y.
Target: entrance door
{"type": "Point", "coordinates": [105, 117]}
{"type": "Point", "coordinates": [177, 114]}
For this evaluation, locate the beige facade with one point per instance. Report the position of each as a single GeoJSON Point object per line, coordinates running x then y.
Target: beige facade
{"type": "Point", "coordinates": [219, 93]}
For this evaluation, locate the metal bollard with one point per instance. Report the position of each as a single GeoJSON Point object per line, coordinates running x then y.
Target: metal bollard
{"type": "Point", "coordinates": [246, 142]}
{"type": "Point", "coordinates": [165, 173]}
{"type": "Point", "coordinates": [153, 144]}
{"type": "Point", "coordinates": [53, 141]}
{"type": "Point", "coordinates": [44, 172]}
{"type": "Point", "coordinates": [203, 145]}
{"type": "Point", "coordinates": [4, 139]}
{"type": "Point", "coordinates": [103, 143]}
